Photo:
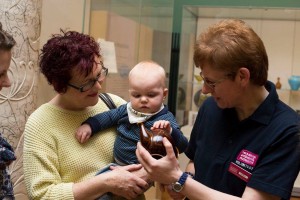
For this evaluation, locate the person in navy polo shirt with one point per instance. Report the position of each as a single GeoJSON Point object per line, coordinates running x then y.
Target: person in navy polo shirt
{"type": "Point", "coordinates": [245, 141]}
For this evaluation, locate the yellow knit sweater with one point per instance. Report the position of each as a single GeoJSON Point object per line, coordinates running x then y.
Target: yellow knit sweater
{"type": "Point", "coordinates": [54, 159]}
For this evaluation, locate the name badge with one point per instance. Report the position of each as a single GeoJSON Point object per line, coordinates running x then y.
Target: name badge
{"type": "Point", "coordinates": [239, 172]}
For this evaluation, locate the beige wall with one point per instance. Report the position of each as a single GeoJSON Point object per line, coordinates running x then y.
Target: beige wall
{"type": "Point", "coordinates": [132, 41]}
{"type": "Point", "coordinates": [56, 15]}
{"type": "Point", "coordinates": [98, 24]}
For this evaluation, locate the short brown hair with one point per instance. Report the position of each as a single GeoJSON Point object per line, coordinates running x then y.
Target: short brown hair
{"type": "Point", "coordinates": [229, 45]}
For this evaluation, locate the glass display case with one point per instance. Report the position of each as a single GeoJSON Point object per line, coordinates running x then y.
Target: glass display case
{"type": "Point", "coordinates": [129, 32]}
{"type": "Point", "coordinates": [165, 31]}
{"type": "Point", "coordinates": [279, 29]}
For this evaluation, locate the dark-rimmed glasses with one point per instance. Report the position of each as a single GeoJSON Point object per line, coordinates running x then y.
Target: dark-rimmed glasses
{"type": "Point", "coordinates": [212, 84]}
{"type": "Point", "coordinates": [89, 84]}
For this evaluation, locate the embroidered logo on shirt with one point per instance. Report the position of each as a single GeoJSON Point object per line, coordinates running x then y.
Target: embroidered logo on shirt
{"type": "Point", "coordinates": [244, 164]}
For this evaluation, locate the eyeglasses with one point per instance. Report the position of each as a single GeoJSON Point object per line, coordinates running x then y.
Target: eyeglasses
{"type": "Point", "coordinates": [212, 84]}
{"type": "Point", "coordinates": [89, 84]}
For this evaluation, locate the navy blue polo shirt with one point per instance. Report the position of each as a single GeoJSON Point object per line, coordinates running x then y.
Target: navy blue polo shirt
{"type": "Point", "coordinates": [261, 151]}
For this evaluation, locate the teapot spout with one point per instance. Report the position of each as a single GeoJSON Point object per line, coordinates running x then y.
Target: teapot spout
{"type": "Point", "coordinates": [145, 136]}
{"type": "Point", "coordinates": [143, 132]}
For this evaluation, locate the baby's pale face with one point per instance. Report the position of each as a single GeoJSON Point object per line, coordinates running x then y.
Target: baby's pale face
{"type": "Point", "coordinates": [146, 95]}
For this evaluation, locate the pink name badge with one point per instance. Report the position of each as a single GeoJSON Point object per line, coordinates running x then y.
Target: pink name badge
{"type": "Point", "coordinates": [239, 172]}
{"type": "Point", "coordinates": [247, 157]}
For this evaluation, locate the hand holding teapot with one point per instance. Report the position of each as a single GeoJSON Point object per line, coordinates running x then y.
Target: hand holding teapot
{"type": "Point", "coordinates": [152, 140]}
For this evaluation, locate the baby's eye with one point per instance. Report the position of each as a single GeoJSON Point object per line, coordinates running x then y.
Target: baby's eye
{"type": "Point", "coordinates": [136, 95]}
{"type": "Point", "coordinates": [151, 95]}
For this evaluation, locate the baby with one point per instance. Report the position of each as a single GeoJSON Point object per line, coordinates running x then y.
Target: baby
{"type": "Point", "coordinates": [147, 91]}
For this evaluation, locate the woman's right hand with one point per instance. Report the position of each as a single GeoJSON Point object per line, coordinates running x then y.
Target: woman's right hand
{"type": "Point", "coordinates": [125, 183]}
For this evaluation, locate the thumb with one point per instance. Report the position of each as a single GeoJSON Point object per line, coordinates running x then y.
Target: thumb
{"type": "Point", "coordinates": [168, 146]}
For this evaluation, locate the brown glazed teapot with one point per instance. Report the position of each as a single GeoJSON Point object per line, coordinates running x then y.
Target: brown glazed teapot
{"type": "Point", "coordinates": [152, 141]}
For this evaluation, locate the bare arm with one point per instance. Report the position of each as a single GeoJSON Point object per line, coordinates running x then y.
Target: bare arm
{"type": "Point", "coordinates": [175, 195]}
{"type": "Point", "coordinates": [196, 190]}
{"type": "Point", "coordinates": [190, 167]}
{"type": "Point", "coordinates": [120, 181]}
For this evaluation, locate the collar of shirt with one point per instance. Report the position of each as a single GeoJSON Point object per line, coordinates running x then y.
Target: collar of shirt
{"type": "Point", "coordinates": [139, 117]}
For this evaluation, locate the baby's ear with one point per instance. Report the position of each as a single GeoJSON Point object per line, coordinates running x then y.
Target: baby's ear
{"type": "Point", "coordinates": [165, 93]}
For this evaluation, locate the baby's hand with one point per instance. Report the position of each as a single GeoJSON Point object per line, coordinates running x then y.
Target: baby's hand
{"type": "Point", "coordinates": [83, 133]}
{"type": "Point", "coordinates": [162, 124]}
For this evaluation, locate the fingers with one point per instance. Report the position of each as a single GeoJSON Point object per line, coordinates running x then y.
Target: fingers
{"type": "Point", "coordinates": [82, 137]}
{"type": "Point", "coordinates": [140, 186]}
{"type": "Point", "coordinates": [163, 170]}
{"type": "Point", "coordinates": [85, 137]}
{"type": "Point", "coordinates": [161, 124]}
{"type": "Point", "coordinates": [144, 157]}
{"type": "Point", "coordinates": [132, 192]}
{"type": "Point", "coordinates": [147, 161]}
{"type": "Point", "coordinates": [127, 184]}
{"type": "Point", "coordinates": [135, 192]}
{"type": "Point", "coordinates": [168, 147]}
{"type": "Point", "coordinates": [140, 190]}
{"type": "Point", "coordinates": [129, 168]}
{"type": "Point", "coordinates": [83, 133]}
